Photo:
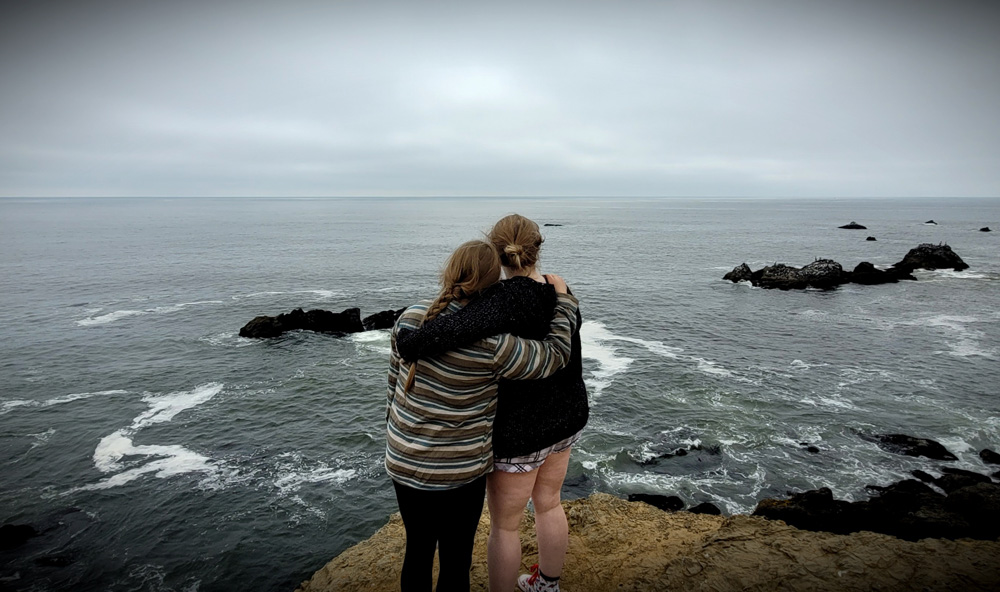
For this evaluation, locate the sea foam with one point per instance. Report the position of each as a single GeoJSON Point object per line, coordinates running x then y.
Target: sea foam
{"type": "Point", "coordinates": [169, 460]}
{"type": "Point", "coordinates": [117, 315]}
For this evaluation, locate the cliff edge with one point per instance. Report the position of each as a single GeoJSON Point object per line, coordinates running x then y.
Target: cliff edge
{"type": "Point", "coordinates": [629, 546]}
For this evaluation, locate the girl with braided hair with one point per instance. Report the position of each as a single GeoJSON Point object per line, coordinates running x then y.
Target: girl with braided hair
{"type": "Point", "coordinates": [439, 418]}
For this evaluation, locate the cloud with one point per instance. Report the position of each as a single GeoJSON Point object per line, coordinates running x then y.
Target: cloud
{"type": "Point", "coordinates": [576, 98]}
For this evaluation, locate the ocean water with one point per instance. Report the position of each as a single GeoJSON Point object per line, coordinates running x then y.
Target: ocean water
{"type": "Point", "coordinates": [155, 449]}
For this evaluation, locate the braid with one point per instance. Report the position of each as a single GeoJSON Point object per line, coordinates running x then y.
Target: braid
{"type": "Point", "coordinates": [473, 267]}
{"type": "Point", "coordinates": [433, 311]}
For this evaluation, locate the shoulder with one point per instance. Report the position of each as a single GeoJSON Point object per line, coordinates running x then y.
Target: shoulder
{"type": "Point", "coordinates": [413, 316]}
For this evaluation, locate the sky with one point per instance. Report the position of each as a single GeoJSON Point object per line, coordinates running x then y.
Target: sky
{"type": "Point", "coordinates": [800, 98]}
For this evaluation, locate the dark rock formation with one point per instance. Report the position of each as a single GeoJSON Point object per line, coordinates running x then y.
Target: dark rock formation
{"type": "Point", "coordinates": [666, 503]}
{"type": "Point", "coordinates": [910, 446]}
{"type": "Point", "coordinates": [984, 229]}
{"type": "Point", "coordinates": [853, 226]}
{"type": "Point", "coordinates": [923, 476]}
{"type": "Point", "coordinates": [871, 238]}
{"type": "Point", "coordinates": [822, 273]}
{"type": "Point", "coordinates": [908, 509]}
{"type": "Point", "coordinates": [989, 456]}
{"type": "Point", "coordinates": [867, 274]}
{"type": "Point", "coordinates": [321, 321]}
{"type": "Point", "coordinates": [928, 256]}
{"type": "Point", "coordinates": [15, 535]}
{"type": "Point", "coordinates": [955, 479]}
{"type": "Point", "coordinates": [705, 508]}
{"type": "Point", "coordinates": [826, 274]}
{"type": "Point", "coordinates": [931, 222]}
{"type": "Point", "coordinates": [551, 224]}
{"type": "Point", "coordinates": [740, 273]}
{"type": "Point", "coordinates": [381, 320]}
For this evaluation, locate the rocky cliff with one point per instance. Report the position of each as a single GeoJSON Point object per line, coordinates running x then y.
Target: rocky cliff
{"type": "Point", "coordinates": [621, 546]}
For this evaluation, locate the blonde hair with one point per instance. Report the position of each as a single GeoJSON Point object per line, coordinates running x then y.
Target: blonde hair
{"type": "Point", "coordinates": [473, 267]}
{"type": "Point", "coordinates": [517, 240]}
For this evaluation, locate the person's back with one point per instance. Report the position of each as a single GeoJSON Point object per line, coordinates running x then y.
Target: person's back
{"type": "Point", "coordinates": [452, 403]}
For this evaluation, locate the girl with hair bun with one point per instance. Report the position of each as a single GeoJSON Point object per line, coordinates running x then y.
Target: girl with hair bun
{"type": "Point", "coordinates": [537, 421]}
{"type": "Point", "coordinates": [440, 412]}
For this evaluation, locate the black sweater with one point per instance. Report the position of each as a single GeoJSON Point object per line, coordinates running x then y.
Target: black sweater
{"type": "Point", "coordinates": [531, 414]}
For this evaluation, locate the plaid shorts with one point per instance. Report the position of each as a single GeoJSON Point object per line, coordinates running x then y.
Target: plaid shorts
{"type": "Point", "coordinates": [530, 462]}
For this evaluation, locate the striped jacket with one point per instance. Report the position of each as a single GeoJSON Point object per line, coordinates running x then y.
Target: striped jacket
{"type": "Point", "coordinates": [439, 435]}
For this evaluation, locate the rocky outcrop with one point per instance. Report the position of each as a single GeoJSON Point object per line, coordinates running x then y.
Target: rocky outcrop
{"type": "Point", "coordinates": [909, 509]}
{"type": "Point", "coordinates": [871, 238]}
{"type": "Point", "coordinates": [740, 273]}
{"type": "Point", "coordinates": [827, 274]}
{"type": "Point", "coordinates": [822, 273]}
{"type": "Point", "coordinates": [381, 320]}
{"type": "Point", "coordinates": [931, 222]}
{"type": "Point", "coordinates": [867, 274]}
{"type": "Point", "coordinates": [321, 321]}
{"type": "Point", "coordinates": [615, 545]}
{"type": "Point", "coordinates": [853, 226]}
{"type": "Point", "coordinates": [911, 446]}
{"type": "Point", "coordinates": [989, 456]}
{"type": "Point", "coordinates": [984, 229]}
{"type": "Point", "coordinates": [928, 256]}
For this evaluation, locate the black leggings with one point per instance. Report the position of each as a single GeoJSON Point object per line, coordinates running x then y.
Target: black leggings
{"type": "Point", "coordinates": [443, 518]}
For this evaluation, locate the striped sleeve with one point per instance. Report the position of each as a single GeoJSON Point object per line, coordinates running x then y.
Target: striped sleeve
{"type": "Point", "coordinates": [527, 359]}
{"type": "Point", "coordinates": [393, 373]}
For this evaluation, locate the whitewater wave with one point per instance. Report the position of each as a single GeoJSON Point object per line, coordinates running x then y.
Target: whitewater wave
{"type": "Point", "coordinates": [118, 315]}
{"type": "Point", "coordinates": [169, 460]}
{"type": "Point", "coordinates": [322, 294]}
{"type": "Point", "coordinates": [596, 341]}
{"type": "Point", "coordinates": [10, 405]}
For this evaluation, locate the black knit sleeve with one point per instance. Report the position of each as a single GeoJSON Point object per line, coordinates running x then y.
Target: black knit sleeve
{"type": "Point", "coordinates": [513, 306]}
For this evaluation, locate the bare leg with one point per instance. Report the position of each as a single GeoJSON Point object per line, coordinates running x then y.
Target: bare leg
{"type": "Point", "coordinates": [551, 527]}
{"type": "Point", "coordinates": [506, 495]}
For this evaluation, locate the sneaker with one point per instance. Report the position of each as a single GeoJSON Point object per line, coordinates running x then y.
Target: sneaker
{"type": "Point", "coordinates": [535, 582]}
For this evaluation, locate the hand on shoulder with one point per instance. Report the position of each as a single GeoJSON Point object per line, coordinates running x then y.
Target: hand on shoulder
{"type": "Point", "coordinates": [557, 282]}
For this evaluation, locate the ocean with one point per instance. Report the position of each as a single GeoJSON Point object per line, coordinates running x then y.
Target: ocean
{"type": "Point", "coordinates": [156, 450]}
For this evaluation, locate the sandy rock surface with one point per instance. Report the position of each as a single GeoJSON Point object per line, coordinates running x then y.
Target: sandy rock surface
{"type": "Point", "coordinates": [621, 546]}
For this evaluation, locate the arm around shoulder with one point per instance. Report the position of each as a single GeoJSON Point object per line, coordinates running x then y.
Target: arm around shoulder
{"type": "Point", "coordinates": [527, 359]}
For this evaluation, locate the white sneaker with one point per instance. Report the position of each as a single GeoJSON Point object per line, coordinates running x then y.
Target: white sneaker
{"type": "Point", "coordinates": [534, 582]}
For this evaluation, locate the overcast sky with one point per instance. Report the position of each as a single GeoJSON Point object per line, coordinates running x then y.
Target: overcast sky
{"type": "Point", "coordinates": [626, 98]}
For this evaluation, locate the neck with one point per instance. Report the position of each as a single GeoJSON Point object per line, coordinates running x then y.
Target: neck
{"type": "Point", "coordinates": [532, 273]}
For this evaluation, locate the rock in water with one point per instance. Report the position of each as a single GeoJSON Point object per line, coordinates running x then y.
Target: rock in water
{"type": "Point", "coordinates": [740, 273]}
{"type": "Point", "coordinates": [321, 321]}
{"type": "Point", "coordinates": [910, 446]}
{"type": "Point", "coordinates": [867, 274]}
{"type": "Point", "coordinates": [381, 320]}
{"type": "Point", "coordinates": [984, 229]}
{"type": "Point", "coordinates": [853, 226]}
{"type": "Point", "coordinates": [822, 273]}
{"type": "Point", "coordinates": [908, 509]}
{"type": "Point", "coordinates": [928, 256]}
{"type": "Point", "coordinates": [871, 238]}
{"type": "Point", "coordinates": [989, 456]}
{"type": "Point", "coordinates": [931, 222]}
